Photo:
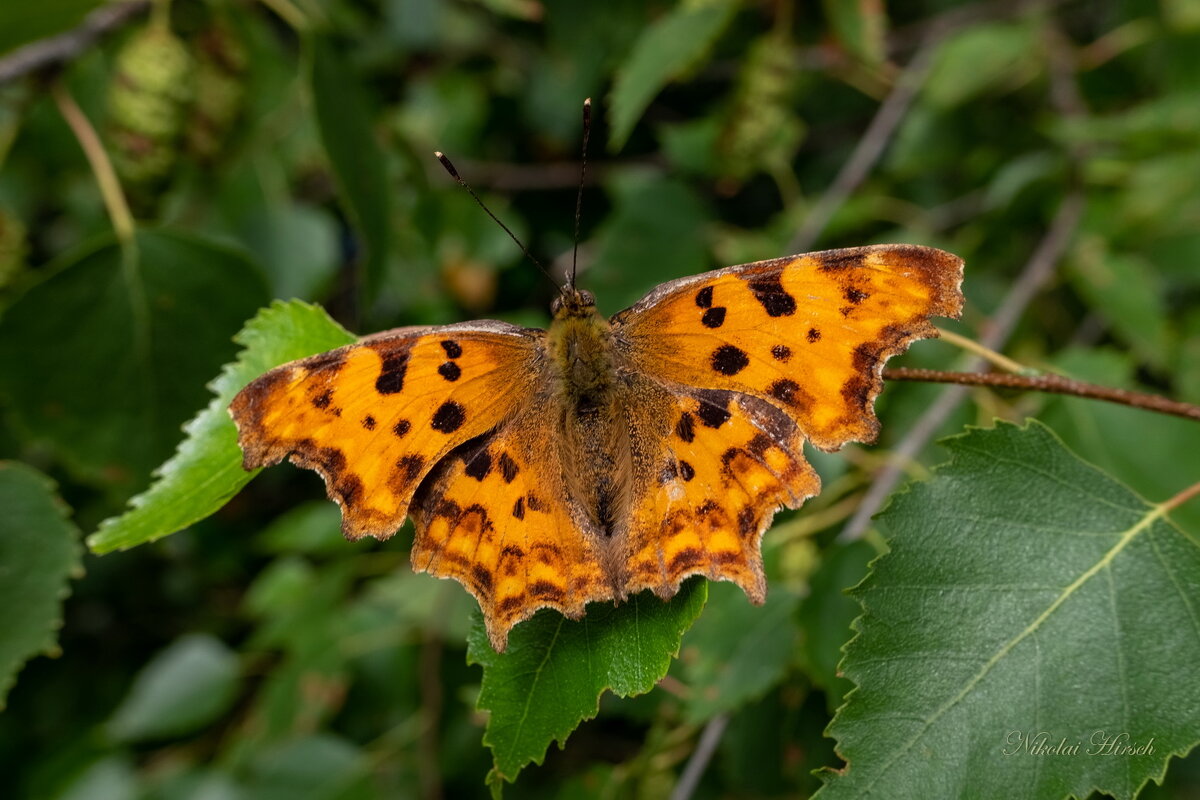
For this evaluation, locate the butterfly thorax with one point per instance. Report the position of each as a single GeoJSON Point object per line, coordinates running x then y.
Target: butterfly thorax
{"type": "Point", "coordinates": [580, 345]}
{"type": "Point", "coordinates": [590, 401]}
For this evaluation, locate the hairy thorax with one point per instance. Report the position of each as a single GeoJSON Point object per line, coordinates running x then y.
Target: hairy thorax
{"type": "Point", "coordinates": [591, 403]}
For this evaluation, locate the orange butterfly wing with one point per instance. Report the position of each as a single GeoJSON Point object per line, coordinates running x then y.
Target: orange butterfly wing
{"type": "Point", "coordinates": [373, 418]}
{"type": "Point", "coordinates": [754, 359]}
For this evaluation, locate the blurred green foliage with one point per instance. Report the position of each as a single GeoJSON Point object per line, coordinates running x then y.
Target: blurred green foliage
{"type": "Point", "coordinates": [257, 654]}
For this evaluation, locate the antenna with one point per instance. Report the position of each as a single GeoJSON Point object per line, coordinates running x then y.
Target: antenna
{"type": "Point", "coordinates": [454, 174]}
{"type": "Point", "coordinates": [587, 130]}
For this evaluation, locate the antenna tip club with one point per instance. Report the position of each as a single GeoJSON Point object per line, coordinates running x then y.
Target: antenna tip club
{"type": "Point", "coordinates": [446, 163]}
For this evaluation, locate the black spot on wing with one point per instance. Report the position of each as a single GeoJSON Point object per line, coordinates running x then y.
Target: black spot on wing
{"type": "Point", "coordinates": [729, 360]}
{"type": "Point", "coordinates": [391, 376]}
{"type": "Point", "coordinates": [713, 317]}
{"type": "Point", "coordinates": [814, 335]}
{"type": "Point", "coordinates": [453, 349]}
{"type": "Point", "coordinates": [713, 409]}
{"type": "Point", "coordinates": [769, 292]}
{"type": "Point", "coordinates": [450, 371]}
{"type": "Point", "coordinates": [323, 399]}
{"type": "Point", "coordinates": [784, 390]}
{"type": "Point", "coordinates": [685, 429]}
{"type": "Point", "coordinates": [508, 468]}
{"type": "Point", "coordinates": [449, 417]}
{"type": "Point", "coordinates": [781, 352]}
{"type": "Point", "coordinates": [686, 470]}
{"type": "Point", "coordinates": [368, 422]}
{"type": "Point", "coordinates": [479, 466]}
{"type": "Point", "coordinates": [410, 467]}
{"type": "Point", "coordinates": [401, 428]}
{"type": "Point", "coordinates": [704, 297]}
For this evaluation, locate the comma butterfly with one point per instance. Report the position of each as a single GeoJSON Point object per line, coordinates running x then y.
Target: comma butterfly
{"type": "Point", "coordinates": [601, 457]}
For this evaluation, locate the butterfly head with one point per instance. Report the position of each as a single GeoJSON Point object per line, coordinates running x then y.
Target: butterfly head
{"type": "Point", "coordinates": [573, 302]}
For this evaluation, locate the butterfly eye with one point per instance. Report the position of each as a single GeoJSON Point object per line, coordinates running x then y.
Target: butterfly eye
{"type": "Point", "coordinates": [587, 298]}
{"type": "Point", "coordinates": [556, 305]}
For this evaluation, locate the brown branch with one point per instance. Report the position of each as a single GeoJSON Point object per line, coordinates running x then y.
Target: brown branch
{"type": "Point", "coordinates": [46, 53]}
{"type": "Point", "coordinates": [1048, 383]}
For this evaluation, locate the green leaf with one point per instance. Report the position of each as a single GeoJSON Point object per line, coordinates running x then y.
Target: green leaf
{"type": "Point", "coordinates": [666, 49]}
{"type": "Point", "coordinates": [110, 778]}
{"type": "Point", "coordinates": [827, 613]}
{"type": "Point", "coordinates": [106, 358]}
{"type": "Point", "coordinates": [1026, 593]}
{"type": "Point", "coordinates": [359, 167]}
{"type": "Point", "coordinates": [860, 25]}
{"type": "Point", "coordinates": [1127, 290]}
{"type": "Point", "coordinates": [183, 688]}
{"type": "Point", "coordinates": [298, 245]}
{"type": "Point", "coordinates": [552, 674]}
{"type": "Point", "coordinates": [1114, 437]}
{"type": "Point", "coordinates": [207, 469]}
{"type": "Point", "coordinates": [21, 23]}
{"type": "Point", "coordinates": [320, 767]}
{"type": "Point", "coordinates": [736, 651]}
{"type": "Point", "coordinates": [982, 57]}
{"type": "Point", "coordinates": [39, 552]}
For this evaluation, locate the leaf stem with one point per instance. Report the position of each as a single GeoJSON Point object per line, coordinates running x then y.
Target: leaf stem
{"type": "Point", "coordinates": [102, 168]}
{"type": "Point", "coordinates": [983, 351]}
{"type": "Point", "coordinates": [1049, 383]}
{"type": "Point", "coordinates": [1181, 498]}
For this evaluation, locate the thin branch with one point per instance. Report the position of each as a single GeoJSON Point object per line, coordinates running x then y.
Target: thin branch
{"type": "Point", "coordinates": [1049, 383]}
{"type": "Point", "coordinates": [869, 148]}
{"type": "Point", "coordinates": [46, 53]}
{"type": "Point", "coordinates": [106, 176]}
{"type": "Point", "coordinates": [698, 763]}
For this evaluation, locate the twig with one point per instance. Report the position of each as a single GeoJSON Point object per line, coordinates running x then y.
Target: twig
{"type": "Point", "coordinates": [46, 53]}
{"type": "Point", "coordinates": [1049, 383]}
{"type": "Point", "coordinates": [710, 737]}
{"type": "Point", "coordinates": [869, 148]}
{"type": "Point", "coordinates": [106, 176]}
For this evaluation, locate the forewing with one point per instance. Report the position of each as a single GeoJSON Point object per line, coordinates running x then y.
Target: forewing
{"type": "Point", "coordinates": [809, 333]}
{"type": "Point", "coordinates": [373, 418]}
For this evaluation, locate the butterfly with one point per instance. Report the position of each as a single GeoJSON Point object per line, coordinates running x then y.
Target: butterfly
{"type": "Point", "coordinates": [602, 457]}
